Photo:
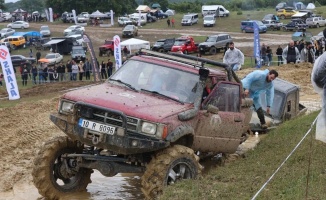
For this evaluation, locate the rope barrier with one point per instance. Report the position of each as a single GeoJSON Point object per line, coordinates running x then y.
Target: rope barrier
{"type": "Point", "coordinates": [295, 148]}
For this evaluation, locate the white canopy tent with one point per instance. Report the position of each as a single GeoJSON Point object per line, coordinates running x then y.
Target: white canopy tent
{"type": "Point", "coordinates": [97, 14]}
{"type": "Point", "coordinates": [134, 44]}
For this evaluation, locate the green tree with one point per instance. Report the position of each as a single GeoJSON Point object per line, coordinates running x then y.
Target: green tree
{"type": "Point", "coordinates": [32, 5]}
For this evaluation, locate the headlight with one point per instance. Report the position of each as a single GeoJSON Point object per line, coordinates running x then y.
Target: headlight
{"type": "Point", "coordinates": [66, 107]}
{"type": "Point", "coordinates": [148, 128]}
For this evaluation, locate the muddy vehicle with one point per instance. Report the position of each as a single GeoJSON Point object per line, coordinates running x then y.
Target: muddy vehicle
{"type": "Point", "coordinates": [149, 117]}
{"type": "Point", "coordinates": [107, 48]}
{"type": "Point", "coordinates": [285, 106]}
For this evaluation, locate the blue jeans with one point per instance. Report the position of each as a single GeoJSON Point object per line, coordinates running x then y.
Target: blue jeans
{"type": "Point", "coordinates": [236, 66]}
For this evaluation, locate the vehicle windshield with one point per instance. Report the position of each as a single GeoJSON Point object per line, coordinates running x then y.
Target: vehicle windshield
{"type": "Point", "coordinates": [128, 28]}
{"type": "Point", "coordinates": [159, 43]}
{"type": "Point", "coordinates": [143, 76]}
{"type": "Point", "coordinates": [187, 17]}
{"type": "Point", "coordinates": [179, 42]}
{"type": "Point", "coordinates": [3, 30]}
{"type": "Point", "coordinates": [49, 56]}
{"type": "Point", "coordinates": [259, 23]}
{"type": "Point", "coordinates": [211, 39]}
{"type": "Point", "coordinates": [209, 18]}
{"type": "Point", "coordinates": [77, 51]}
{"type": "Point", "coordinates": [44, 28]}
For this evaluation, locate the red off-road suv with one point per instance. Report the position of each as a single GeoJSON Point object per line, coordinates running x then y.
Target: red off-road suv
{"type": "Point", "coordinates": [149, 117]}
{"type": "Point", "coordinates": [107, 48]}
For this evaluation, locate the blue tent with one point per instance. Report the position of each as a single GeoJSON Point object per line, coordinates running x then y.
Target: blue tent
{"type": "Point", "coordinates": [30, 34]}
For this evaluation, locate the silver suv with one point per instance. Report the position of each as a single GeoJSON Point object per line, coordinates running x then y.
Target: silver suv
{"type": "Point", "coordinates": [215, 43]}
{"type": "Point", "coordinates": [315, 22]}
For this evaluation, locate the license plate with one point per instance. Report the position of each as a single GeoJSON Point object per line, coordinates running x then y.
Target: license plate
{"type": "Point", "coordinates": [96, 126]}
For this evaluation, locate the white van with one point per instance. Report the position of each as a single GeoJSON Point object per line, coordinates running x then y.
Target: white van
{"type": "Point", "coordinates": [216, 10]}
{"type": "Point", "coordinates": [189, 19]}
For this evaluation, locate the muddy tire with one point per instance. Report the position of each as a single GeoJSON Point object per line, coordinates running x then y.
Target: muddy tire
{"type": "Point", "coordinates": [213, 50]}
{"type": "Point", "coordinates": [109, 53]}
{"type": "Point", "coordinates": [167, 167]}
{"type": "Point", "coordinates": [50, 167]}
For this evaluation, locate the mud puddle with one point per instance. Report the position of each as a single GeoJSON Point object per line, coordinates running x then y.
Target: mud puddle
{"type": "Point", "coordinates": [121, 186]}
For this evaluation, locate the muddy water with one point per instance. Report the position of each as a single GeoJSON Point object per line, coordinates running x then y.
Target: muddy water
{"type": "Point", "coordinates": [121, 186]}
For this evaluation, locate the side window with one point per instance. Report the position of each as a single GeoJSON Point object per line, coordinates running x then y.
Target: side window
{"type": "Point", "coordinates": [226, 97]}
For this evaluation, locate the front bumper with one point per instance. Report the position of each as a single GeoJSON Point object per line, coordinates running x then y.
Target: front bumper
{"type": "Point", "coordinates": [119, 144]}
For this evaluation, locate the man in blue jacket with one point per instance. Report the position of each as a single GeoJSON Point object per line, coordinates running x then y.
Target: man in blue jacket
{"type": "Point", "coordinates": [257, 82]}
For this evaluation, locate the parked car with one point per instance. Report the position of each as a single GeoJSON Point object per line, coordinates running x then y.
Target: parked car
{"type": "Point", "coordinates": [130, 31]}
{"type": "Point", "coordinates": [18, 60]}
{"type": "Point", "coordinates": [123, 21]}
{"type": "Point", "coordinates": [45, 31]}
{"type": "Point", "coordinates": [285, 13]}
{"type": "Point", "coordinates": [150, 18]}
{"type": "Point", "coordinates": [15, 41]}
{"type": "Point", "coordinates": [248, 26]}
{"type": "Point", "coordinates": [318, 36]}
{"type": "Point", "coordinates": [135, 20]}
{"type": "Point", "coordinates": [67, 17]}
{"type": "Point", "coordinates": [78, 53]}
{"type": "Point", "coordinates": [77, 39]}
{"type": "Point", "coordinates": [82, 18]}
{"type": "Point", "coordinates": [295, 25]}
{"type": "Point", "coordinates": [273, 25]}
{"type": "Point", "coordinates": [215, 43]}
{"type": "Point", "coordinates": [5, 32]}
{"type": "Point", "coordinates": [7, 44]}
{"type": "Point", "coordinates": [159, 14]}
{"type": "Point", "coordinates": [271, 17]}
{"type": "Point", "coordinates": [315, 22]}
{"type": "Point", "coordinates": [72, 28]}
{"type": "Point", "coordinates": [18, 24]}
{"type": "Point", "coordinates": [209, 20]}
{"type": "Point", "coordinates": [52, 58]}
{"type": "Point", "coordinates": [163, 45]}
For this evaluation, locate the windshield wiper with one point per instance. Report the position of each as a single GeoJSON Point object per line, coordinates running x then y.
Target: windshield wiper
{"type": "Point", "coordinates": [126, 84]}
{"type": "Point", "coordinates": [155, 92]}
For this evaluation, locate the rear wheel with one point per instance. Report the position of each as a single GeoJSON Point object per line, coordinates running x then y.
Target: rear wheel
{"type": "Point", "coordinates": [282, 16]}
{"type": "Point", "coordinates": [185, 52]}
{"type": "Point", "coordinates": [14, 47]}
{"type": "Point", "coordinates": [22, 27]}
{"type": "Point", "coordinates": [168, 167]}
{"type": "Point", "coordinates": [109, 53]}
{"type": "Point", "coordinates": [161, 50]}
{"type": "Point", "coordinates": [55, 176]}
{"type": "Point", "coordinates": [317, 25]}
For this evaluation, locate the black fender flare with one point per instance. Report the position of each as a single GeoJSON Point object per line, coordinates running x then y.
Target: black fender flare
{"type": "Point", "coordinates": [179, 132]}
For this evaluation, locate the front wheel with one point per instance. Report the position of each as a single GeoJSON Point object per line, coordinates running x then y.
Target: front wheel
{"type": "Point", "coordinates": [55, 176]}
{"type": "Point", "coordinates": [213, 51]}
{"type": "Point", "coordinates": [185, 52]}
{"type": "Point", "coordinates": [167, 167]}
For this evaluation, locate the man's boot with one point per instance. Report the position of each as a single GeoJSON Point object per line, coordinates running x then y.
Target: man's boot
{"type": "Point", "coordinates": [261, 117]}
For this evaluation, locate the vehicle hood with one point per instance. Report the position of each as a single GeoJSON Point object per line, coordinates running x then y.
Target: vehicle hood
{"type": "Point", "coordinates": [132, 103]}
{"type": "Point", "coordinates": [206, 43]}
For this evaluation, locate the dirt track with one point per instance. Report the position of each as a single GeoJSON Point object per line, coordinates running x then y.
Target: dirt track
{"type": "Point", "coordinates": [24, 127]}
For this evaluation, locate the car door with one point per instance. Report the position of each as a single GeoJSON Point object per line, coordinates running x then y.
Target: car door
{"type": "Point", "coordinates": [224, 125]}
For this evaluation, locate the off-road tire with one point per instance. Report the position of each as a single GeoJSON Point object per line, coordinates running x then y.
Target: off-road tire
{"type": "Point", "coordinates": [185, 52]}
{"type": "Point", "coordinates": [282, 16]}
{"type": "Point", "coordinates": [156, 176]}
{"type": "Point", "coordinates": [109, 53]}
{"type": "Point", "coordinates": [161, 50]}
{"type": "Point", "coordinates": [44, 172]}
{"type": "Point", "coordinates": [213, 50]}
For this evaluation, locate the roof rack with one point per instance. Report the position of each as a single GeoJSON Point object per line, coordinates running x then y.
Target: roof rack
{"type": "Point", "coordinates": [192, 60]}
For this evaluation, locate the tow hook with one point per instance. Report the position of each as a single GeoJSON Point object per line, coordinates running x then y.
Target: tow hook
{"type": "Point", "coordinates": [95, 140]}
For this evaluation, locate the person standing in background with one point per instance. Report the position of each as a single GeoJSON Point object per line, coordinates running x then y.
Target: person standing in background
{"type": "Point", "coordinates": [279, 52]}
{"type": "Point", "coordinates": [34, 73]}
{"type": "Point", "coordinates": [81, 70]}
{"type": "Point", "coordinates": [69, 70]}
{"type": "Point", "coordinates": [38, 56]}
{"type": "Point", "coordinates": [233, 57]}
{"type": "Point", "coordinates": [88, 68]}
{"type": "Point", "coordinates": [109, 65]}
{"type": "Point", "coordinates": [74, 70]}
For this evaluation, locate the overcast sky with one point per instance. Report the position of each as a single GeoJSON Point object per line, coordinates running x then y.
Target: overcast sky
{"type": "Point", "coordinates": [8, 1]}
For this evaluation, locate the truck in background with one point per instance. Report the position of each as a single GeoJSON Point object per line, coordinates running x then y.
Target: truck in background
{"type": "Point", "coordinates": [185, 44]}
{"type": "Point", "coordinates": [216, 10]}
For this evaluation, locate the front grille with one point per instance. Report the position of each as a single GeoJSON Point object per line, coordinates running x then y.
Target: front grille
{"type": "Point", "coordinates": [114, 119]}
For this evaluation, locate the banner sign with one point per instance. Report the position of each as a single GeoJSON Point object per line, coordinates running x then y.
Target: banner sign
{"type": "Point", "coordinates": [51, 14]}
{"type": "Point", "coordinates": [47, 14]}
{"type": "Point", "coordinates": [8, 73]}
{"type": "Point", "coordinates": [117, 52]}
{"type": "Point", "coordinates": [112, 19]}
{"type": "Point", "coordinates": [257, 45]}
{"type": "Point", "coordinates": [94, 62]}
{"type": "Point", "coordinates": [75, 17]}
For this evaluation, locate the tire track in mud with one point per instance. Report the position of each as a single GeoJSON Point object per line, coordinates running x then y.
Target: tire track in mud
{"type": "Point", "coordinates": [24, 127]}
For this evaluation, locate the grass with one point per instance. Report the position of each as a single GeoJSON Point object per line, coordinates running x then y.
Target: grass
{"type": "Point", "coordinates": [242, 178]}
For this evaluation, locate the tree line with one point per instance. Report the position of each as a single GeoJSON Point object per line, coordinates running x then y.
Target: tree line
{"type": "Point", "coordinates": [128, 6]}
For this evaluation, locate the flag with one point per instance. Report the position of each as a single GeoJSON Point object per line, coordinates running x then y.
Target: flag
{"type": "Point", "coordinates": [75, 17]}
{"type": "Point", "coordinates": [47, 14]}
{"type": "Point", "coordinates": [95, 67]}
{"type": "Point", "coordinates": [51, 14]}
{"type": "Point", "coordinates": [139, 20]}
{"type": "Point", "coordinates": [117, 52]}
{"type": "Point", "coordinates": [257, 45]}
{"type": "Point", "coordinates": [8, 73]}
{"type": "Point", "coordinates": [112, 20]}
